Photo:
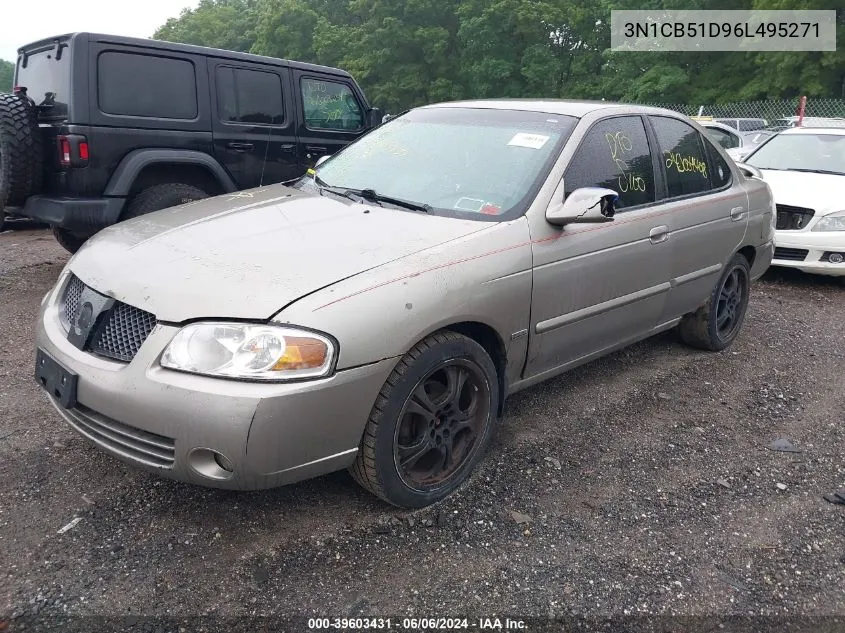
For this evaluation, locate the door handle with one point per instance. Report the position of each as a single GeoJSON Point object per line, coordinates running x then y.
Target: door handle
{"type": "Point", "coordinates": [315, 150]}
{"type": "Point", "coordinates": [241, 147]}
{"type": "Point", "coordinates": [658, 234]}
{"type": "Point", "coordinates": [287, 147]}
{"type": "Point", "coordinates": [737, 213]}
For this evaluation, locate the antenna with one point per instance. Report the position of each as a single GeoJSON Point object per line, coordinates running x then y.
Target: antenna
{"type": "Point", "coordinates": [266, 151]}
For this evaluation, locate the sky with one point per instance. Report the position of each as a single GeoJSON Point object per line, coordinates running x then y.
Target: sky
{"type": "Point", "coordinates": [29, 21]}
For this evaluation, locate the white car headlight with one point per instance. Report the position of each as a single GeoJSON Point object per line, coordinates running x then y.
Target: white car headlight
{"type": "Point", "coordinates": [833, 222]}
{"type": "Point", "coordinates": [251, 352]}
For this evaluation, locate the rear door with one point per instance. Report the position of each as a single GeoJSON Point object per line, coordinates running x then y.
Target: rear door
{"type": "Point", "coordinates": [332, 114]}
{"type": "Point", "coordinates": [254, 122]}
{"type": "Point", "coordinates": [711, 211]}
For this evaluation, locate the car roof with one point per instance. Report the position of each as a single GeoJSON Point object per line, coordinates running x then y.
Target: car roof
{"type": "Point", "coordinates": [839, 131]}
{"type": "Point", "coordinates": [183, 48]}
{"type": "Point", "coordinates": [564, 107]}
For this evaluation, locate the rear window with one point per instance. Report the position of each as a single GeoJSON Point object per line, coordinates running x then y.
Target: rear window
{"type": "Point", "coordinates": [150, 86]}
{"type": "Point", "coordinates": [47, 80]}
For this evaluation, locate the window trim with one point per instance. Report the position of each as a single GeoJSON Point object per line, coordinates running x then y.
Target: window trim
{"type": "Point", "coordinates": [285, 120]}
{"type": "Point", "coordinates": [702, 138]}
{"type": "Point", "coordinates": [161, 55]}
{"type": "Point", "coordinates": [645, 125]}
{"type": "Point", "coordinates": [340, 82]}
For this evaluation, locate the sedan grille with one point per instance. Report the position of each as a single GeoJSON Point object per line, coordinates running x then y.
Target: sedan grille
{"type": "Point", "coordinates": [142, 446]}
{"type": "Point", "coordinates": [793, 218]}
{"type": "Point", "coordinates": [120, 330]}
{"type": "Point", "coordinates": [791, 254]}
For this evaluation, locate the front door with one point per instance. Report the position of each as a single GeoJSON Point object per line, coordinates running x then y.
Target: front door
{"type": "Point", "coordinates": [254, 123]}
{"type": "Point", "coordinates": [332, 115]}
{"type": "Point", "coordinates": [597, 286]}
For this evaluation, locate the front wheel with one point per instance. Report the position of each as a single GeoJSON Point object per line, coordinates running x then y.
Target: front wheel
{"type": "Point", "coordinates": [431, 422]}
{"type": "Point", "coordinates": [716, 324]}
{"type": "Point", "coordinates": [71, 242]}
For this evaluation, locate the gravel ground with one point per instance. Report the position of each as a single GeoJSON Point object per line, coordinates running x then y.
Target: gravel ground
{"type": "Point", "coordinates": [639, 484]}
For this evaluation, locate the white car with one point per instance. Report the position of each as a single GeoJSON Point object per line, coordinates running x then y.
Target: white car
{"type": "Point", "coordinates": [805, 168]}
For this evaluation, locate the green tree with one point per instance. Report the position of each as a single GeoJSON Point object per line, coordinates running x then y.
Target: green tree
{"type": "Point", "coordinates": [227, 24]}
{"type": "Point", "coordinates": [7, 73]}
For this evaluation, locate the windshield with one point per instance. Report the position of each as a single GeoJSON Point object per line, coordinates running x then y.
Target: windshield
{"type": "Point", "coordinates": [808, 152]}
{"type": "Point", "coordinates": [477, 163]}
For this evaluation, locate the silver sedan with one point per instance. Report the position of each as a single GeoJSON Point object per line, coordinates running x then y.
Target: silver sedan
{"type": "Point", "coordinates": [375, 314]}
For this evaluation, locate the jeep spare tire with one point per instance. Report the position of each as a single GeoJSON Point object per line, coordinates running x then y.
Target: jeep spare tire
{"type": "Point", "coordinates": [21, 152]}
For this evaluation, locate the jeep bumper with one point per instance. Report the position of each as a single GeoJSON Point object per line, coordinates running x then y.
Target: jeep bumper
{"type": "Point", "coordinates": [83, 216]}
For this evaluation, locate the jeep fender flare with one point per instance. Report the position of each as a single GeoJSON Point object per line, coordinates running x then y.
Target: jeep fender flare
{"type": "Point", "coordinates": [135, 161]}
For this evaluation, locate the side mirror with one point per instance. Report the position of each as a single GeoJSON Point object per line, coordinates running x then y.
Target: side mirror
{"type": "Point", "coordinates": [321, 160]}
{"type": "Point", "coordinates": [375, 116]}
{"type": "Point", "coordinates": [585, 205]}
{"type": "Point", "coordinates": [749, 170]}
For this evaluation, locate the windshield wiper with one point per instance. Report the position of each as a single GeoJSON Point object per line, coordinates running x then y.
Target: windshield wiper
{"type": "Point", "coordinates": [819, 171]}
{"type": "Point", "coordinates": [372, 196]}
{"type": "Point", "coordinates": [343, 193]}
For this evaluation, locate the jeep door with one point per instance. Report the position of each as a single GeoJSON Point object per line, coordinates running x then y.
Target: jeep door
{"type": "Point", "coordinates": [598, 286]}
{"type": "Point", "coordinates": [711, 211]}
{"type": "Point", "coordinates": [332, 114]}
{"type": "Point", "coordinates": [254, 122]}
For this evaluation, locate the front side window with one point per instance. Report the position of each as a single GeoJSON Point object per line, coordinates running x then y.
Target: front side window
{"type": "Point", "coordinates": [464, 162]}
{"type": "Point", "coordinates": [329, 105]}
{"type": "Point", "coordinates": [820, 153]}
{"type": "Point", "coordinates": [615, 155]}
{"type": "Point", "coordinates": [682, 152]}
{"type": "Point", "coordinates": [249, 96]}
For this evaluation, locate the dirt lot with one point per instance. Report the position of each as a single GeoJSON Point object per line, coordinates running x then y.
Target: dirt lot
{"type": "Point", "coordinates": [645, 478]}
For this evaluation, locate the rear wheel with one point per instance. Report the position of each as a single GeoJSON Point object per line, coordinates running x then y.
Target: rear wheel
{"type": "Point", "coordinates": [716, 324]}
{"type": "Point", "coordinates": [160, 197]}
{"type": "Point", "coordinates": [431, 422]}
{"type": "Point", "coordinates": [71, 242]}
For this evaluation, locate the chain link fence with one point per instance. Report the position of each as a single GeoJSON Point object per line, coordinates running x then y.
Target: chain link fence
{"type": "Point", "coordinates": [776, 112]}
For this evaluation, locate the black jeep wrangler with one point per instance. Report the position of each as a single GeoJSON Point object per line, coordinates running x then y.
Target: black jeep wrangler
{"type": "Point", "coordinates": [101, 128]}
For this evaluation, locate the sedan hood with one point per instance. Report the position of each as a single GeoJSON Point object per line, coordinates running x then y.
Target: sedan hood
{"type": "Point", "coordinates": [825, 193]}
{"type": "Point", "coordinates": [248, 255]}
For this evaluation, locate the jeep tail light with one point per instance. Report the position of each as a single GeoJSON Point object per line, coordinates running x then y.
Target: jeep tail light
{"type": "Point", "coordinates": [64, 150]}
{"type": "Point", "coordinates": [73, 150]}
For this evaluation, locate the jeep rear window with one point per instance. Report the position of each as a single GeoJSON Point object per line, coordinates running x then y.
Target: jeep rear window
{"type": "Point", "coordinates": [146, 86]}
{"type": "Point", "coordinates": [47, 81]}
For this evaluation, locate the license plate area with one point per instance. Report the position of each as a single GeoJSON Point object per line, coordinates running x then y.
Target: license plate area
{"type": "Point", "coordinates": [55, 379]}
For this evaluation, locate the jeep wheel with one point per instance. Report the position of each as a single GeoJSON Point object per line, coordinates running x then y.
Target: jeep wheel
{"type": "Point", "coordinates": [716, 324]}
{"type": "Point", "coordinates": [20, 150]}
{"type": "Point", "coordinates": [431, 423]}
{"type": "Point", "coordinates": [71, 242]}
{"type": "Point", "coordinates": [160, 197]}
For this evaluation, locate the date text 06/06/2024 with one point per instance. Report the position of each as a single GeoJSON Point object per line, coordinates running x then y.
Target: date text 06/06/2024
{"type": "Point", "coordinates": [417, 624]}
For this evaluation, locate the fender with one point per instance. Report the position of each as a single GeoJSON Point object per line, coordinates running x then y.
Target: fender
{"type": "Point", "coordinates": [135, 161]}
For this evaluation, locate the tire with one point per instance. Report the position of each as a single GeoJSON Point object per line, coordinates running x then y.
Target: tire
{"type": "Point", "coordinates": [21, 150]}
{"type": "Point", "coordinates": [160, 197]}
{"type": "Point", "coordinates": [71, 242]}
{"type": "Point", "coordinates": [425, 430]}
{"type": "Point", "coordinates": [716, 324]}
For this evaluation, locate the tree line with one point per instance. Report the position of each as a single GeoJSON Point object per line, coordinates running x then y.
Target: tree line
{"type": "Point", "coordinates": [7, 74]}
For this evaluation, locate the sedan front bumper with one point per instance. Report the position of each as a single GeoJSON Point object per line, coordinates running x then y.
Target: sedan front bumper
{"type": "Point", "coordinates": [210, 431]}
{"type": "Point", "coordinates": [805, 250]}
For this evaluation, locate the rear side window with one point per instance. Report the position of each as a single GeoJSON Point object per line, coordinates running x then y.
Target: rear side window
{"type": "Point", "coordinates": [725, 139]}
{"type": "Point", "coordinates": [329, 105]}
{"type": "Point", "coordinates": [249, 96]}
{"type": "Point", "coordinates": [614, 154]}
{"type": "Point", "coordinates": [130, 84]}
{"type": "Point", "coordinates": [682, 149]}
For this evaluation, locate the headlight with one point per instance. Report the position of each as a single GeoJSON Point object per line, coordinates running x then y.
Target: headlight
{"type": "Point", "coordinates": [834, 222]}
{"type": "Point", "coordinates": [253, 352]}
